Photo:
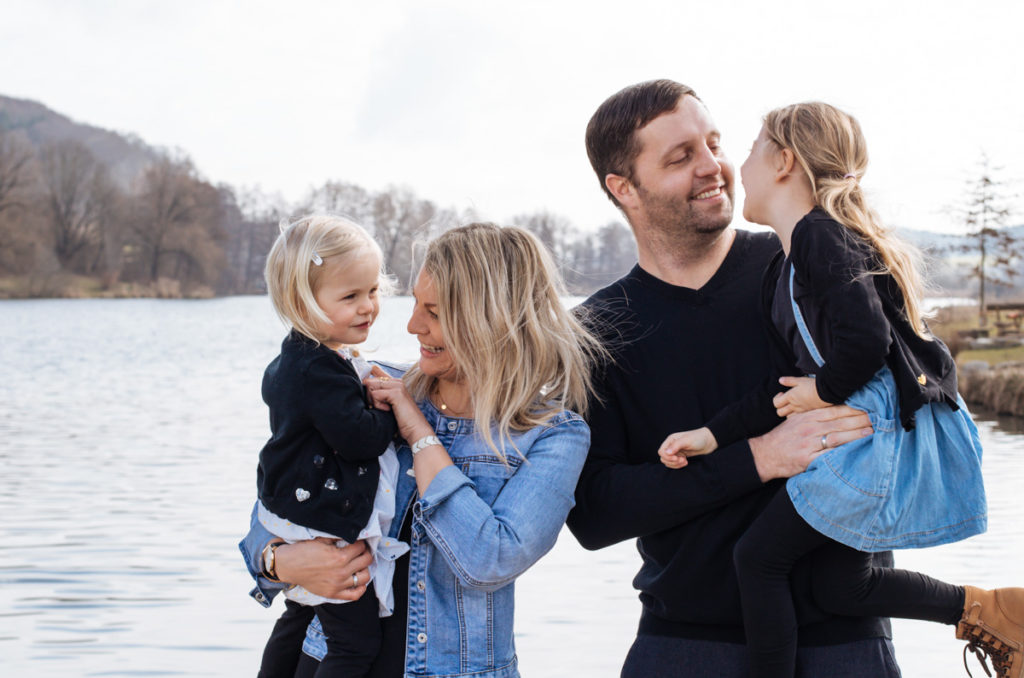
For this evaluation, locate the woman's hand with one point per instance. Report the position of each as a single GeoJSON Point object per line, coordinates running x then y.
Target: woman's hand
{"type": "Point", "coordinates": [801, 397]}
{"type": "Point", "coordinates": [388, 393]}
{"type": "Point", "coordinates": [322, 568]}
{"type": "Point", "coordinates": [678, 446]}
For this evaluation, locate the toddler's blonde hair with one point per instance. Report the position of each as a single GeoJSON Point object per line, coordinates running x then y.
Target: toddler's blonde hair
{"type": "Point", "coordinates": [293, 273]}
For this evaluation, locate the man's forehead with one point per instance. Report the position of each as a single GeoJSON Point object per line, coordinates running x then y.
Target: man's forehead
{"type": "Point", "coordinates": [688, 122]}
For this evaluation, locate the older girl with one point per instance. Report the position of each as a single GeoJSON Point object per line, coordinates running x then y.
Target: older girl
{"type": "Point", "coordinates": [845, 309]}
{"type": "Point", "coordinates": [493, 443]}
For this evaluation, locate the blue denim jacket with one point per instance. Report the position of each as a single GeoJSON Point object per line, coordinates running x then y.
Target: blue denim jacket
{"type": "Point", "coordinates": [480, 525]}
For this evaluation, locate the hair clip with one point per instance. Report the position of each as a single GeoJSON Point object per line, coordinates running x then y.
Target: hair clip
{"type": "Point", "coordinates": [316, 259]}
{"type": "Point", "coordinates": [849, 175]}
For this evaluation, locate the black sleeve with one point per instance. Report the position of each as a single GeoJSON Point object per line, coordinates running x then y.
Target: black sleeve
{"type": "Point", "coordinates": [836, 266]}
{"type": "Point", "coordinates": [336, 404]}
{"type": "Point", "coordinates": [618, 498]}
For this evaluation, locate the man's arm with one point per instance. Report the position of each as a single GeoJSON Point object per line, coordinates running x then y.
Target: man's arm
{"type": "Point", "coordinates": [617, 499]}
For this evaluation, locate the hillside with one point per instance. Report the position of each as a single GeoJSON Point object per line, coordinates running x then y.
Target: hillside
{"type": "Point", "coordinates": [125, 155]}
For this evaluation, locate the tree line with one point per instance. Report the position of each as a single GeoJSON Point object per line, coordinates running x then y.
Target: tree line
{"type": "Point", "coordinates": [171, 232]}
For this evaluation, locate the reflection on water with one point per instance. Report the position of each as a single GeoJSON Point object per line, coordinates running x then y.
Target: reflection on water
{"type": "Point", "coordinates": [129, 432]}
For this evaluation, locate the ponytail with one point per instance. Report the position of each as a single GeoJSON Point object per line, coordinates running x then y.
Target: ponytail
{"type": "Point", "coordinates": [830, 147]}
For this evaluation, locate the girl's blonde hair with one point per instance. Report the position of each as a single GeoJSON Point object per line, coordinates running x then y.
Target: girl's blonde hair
{"type": "Point", "coordinates": [830, 147]}
{"type": "Point", "coordinates": [296, 264]}
{"type": "Point", "coordinates": [523, 356]}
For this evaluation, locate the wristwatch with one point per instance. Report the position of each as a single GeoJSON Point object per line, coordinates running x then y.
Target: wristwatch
{"type": "Point", "coordinates": [269, 566]}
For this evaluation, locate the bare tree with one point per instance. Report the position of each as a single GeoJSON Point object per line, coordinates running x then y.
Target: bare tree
{"type": "Point", "coordinates": [986, 214]}
{"type": "Point", "coordinates": [176, 222]}
{"type": "Point", "coordinates": [79, 196]}
{"type": "Point", "coordinates": [15, 170]}
{"type": "Point", "coordinates": [399, 219]}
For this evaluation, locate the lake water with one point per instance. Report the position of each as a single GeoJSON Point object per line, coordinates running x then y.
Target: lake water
{"type": "Point", "coordinates": [129, 432]}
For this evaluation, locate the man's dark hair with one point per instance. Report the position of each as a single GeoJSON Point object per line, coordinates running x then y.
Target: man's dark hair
{"type": "Point", "coordinates": [611, 133]}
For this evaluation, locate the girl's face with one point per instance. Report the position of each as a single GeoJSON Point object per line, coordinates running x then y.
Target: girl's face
{"type": "Point", "coordinates": [347, 293]}
{"type": "Point", "coordinates": [435, 361]}
{"type": "Point", "coordinates": [758, 177]}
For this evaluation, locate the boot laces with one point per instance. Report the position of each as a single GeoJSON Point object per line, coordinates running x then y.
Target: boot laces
{"type": "Point", "coordinates": [984, 646]}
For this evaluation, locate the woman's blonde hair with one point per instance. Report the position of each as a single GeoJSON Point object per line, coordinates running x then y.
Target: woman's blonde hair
{"type": "Point", "coordinates": [830, 147]}
{"type": "Point", "coordinates": [523, 356]}
{"type": "Point", "coordinates": [297, 261]}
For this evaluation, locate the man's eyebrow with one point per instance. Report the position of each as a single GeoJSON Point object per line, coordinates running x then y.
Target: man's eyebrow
{"type": "Point", "coordinates": [673, 149]}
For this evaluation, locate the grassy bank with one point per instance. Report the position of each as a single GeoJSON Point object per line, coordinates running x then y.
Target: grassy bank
{"type": "Point", "coordinates": [990, 377]}
{"type": "Point", "coordinates": [69, 286]}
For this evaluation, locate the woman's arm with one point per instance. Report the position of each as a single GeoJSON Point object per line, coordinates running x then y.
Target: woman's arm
{"type": "Point", "coordinates": [318, 566]}
{"type": "Point", "coordinates": [489, 545]}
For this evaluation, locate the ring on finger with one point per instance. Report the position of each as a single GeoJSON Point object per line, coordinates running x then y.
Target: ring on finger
{"type": "Point", "coordinates": [355, 580]}
{"type": "Point", "coordinates": [824, 442]}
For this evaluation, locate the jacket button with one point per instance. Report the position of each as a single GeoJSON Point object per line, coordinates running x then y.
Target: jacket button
{"type": "Point", "coordinates": [422, 637]}
{"type": "Point", "coordinates": [421, 586]}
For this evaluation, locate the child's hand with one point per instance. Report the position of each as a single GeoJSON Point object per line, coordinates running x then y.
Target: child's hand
{"type": "Point", "coordinates": [678, 446]}
{"type": "Point", "coordinates": [388, 393]}
{"type": "Point", "coordinates": [373, 384]}
{"type": "Point", "coordinates": [801, 397]}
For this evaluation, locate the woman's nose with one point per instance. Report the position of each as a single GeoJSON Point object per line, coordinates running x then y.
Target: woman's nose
{"type": "Point", "coordinates": [415, 324]}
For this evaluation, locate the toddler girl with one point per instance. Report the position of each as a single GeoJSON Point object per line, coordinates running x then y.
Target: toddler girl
{"type": "Point", "coordinates": [844, 302]}
{"type": "Point", "coordinates": [329, 468]}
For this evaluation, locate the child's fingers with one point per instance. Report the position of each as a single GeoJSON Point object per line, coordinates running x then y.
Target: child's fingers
{"type": "Point", "coordinates": [789, 381]}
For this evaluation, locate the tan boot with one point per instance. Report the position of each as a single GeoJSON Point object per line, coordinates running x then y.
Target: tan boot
{"type": "Point", "coordinates": [993, 626]}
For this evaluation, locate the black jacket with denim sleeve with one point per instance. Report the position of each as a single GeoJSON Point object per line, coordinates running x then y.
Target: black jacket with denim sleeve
{"type": "Point", "coordinates": [858, 322]}
{"type": "Point", "coordinates": [319, 469]}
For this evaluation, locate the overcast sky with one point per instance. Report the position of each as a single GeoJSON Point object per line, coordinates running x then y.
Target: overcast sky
{"type": "Point", "coordinates": [479, 104]}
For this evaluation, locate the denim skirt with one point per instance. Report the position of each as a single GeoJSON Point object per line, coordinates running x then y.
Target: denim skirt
{"type": "Point", "coordinates": [897, 488]}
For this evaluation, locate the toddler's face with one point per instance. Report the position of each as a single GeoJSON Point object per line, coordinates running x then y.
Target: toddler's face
{"type": "Point", "coordinates": [347, 293]}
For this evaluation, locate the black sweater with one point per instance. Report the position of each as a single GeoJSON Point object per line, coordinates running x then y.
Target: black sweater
{"type": "Point", "coordinates": [323, 436]}
{"type": "Point", "coordinates": [681, 355]}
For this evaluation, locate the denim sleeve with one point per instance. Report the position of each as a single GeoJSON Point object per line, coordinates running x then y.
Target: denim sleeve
{"type": "Point", "coordinates": [252, 552]}
{"type": "Point", "coordinates": [487, 546]}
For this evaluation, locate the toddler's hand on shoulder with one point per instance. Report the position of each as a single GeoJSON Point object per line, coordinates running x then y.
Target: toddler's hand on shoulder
{"type": "Point", "coordinates": [678, 446]}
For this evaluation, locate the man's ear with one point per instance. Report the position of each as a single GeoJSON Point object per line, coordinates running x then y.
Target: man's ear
{"type": "Point", "coordinates": [622, 188]}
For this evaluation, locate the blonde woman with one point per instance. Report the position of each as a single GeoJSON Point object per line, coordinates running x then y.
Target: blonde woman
{"type": "Point", "coordinates": [494, 447]}
{"type": "Point", "coordinates": [844, 300]}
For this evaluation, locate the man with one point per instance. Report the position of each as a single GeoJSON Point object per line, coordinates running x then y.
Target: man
{"type": "Point", "coordinates": [685, 327]}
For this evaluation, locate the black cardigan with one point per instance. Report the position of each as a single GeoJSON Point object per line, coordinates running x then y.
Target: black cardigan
{"type": "Point", "coordinates": [321, 430]}
{"type": "Point", "coordinates": [858, 323]}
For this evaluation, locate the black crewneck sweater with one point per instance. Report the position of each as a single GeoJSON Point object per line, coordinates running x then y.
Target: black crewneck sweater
{"type": "Point", "coordinates": [680, 356]}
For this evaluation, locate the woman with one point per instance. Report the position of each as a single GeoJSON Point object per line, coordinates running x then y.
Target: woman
{"type": "Point", "coordinates": [497, 455]}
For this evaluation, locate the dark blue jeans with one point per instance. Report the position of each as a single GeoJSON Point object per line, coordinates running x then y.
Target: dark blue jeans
{"type": "Point", "coordinates": [666, 657]}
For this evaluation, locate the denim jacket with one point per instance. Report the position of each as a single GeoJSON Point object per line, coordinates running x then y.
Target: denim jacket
{"type": "Point", "coordinates": [480, 525]}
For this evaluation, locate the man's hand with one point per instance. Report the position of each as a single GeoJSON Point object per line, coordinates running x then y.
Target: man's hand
{"type": "Point", "coordinates": [322, 568]}
{"type": "Point", "coordinates": [788, 448]}
{"type": "Point", "coordinates": [801, 397]}
{"type": "Point", "coordinates": [678, 446]}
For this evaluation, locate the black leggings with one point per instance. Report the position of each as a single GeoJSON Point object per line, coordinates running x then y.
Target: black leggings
{"type": "Point", "coordinates": [844, 583]}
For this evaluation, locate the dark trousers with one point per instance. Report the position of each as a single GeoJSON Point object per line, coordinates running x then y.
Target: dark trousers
{"type": "Point", "coordinates": [353, 632]}
{"type": "Point", "coordinates": [669, 657]}
{"type": "Point", "coordinates": [844, 583]}
{"type": "Point", "coordinates": [353, 636]}
{"type": "Point", "coordinates": [284, 647]}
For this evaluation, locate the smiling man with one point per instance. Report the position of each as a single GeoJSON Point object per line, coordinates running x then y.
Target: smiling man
{"type": "Point", "coordinates": [686, 330]}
